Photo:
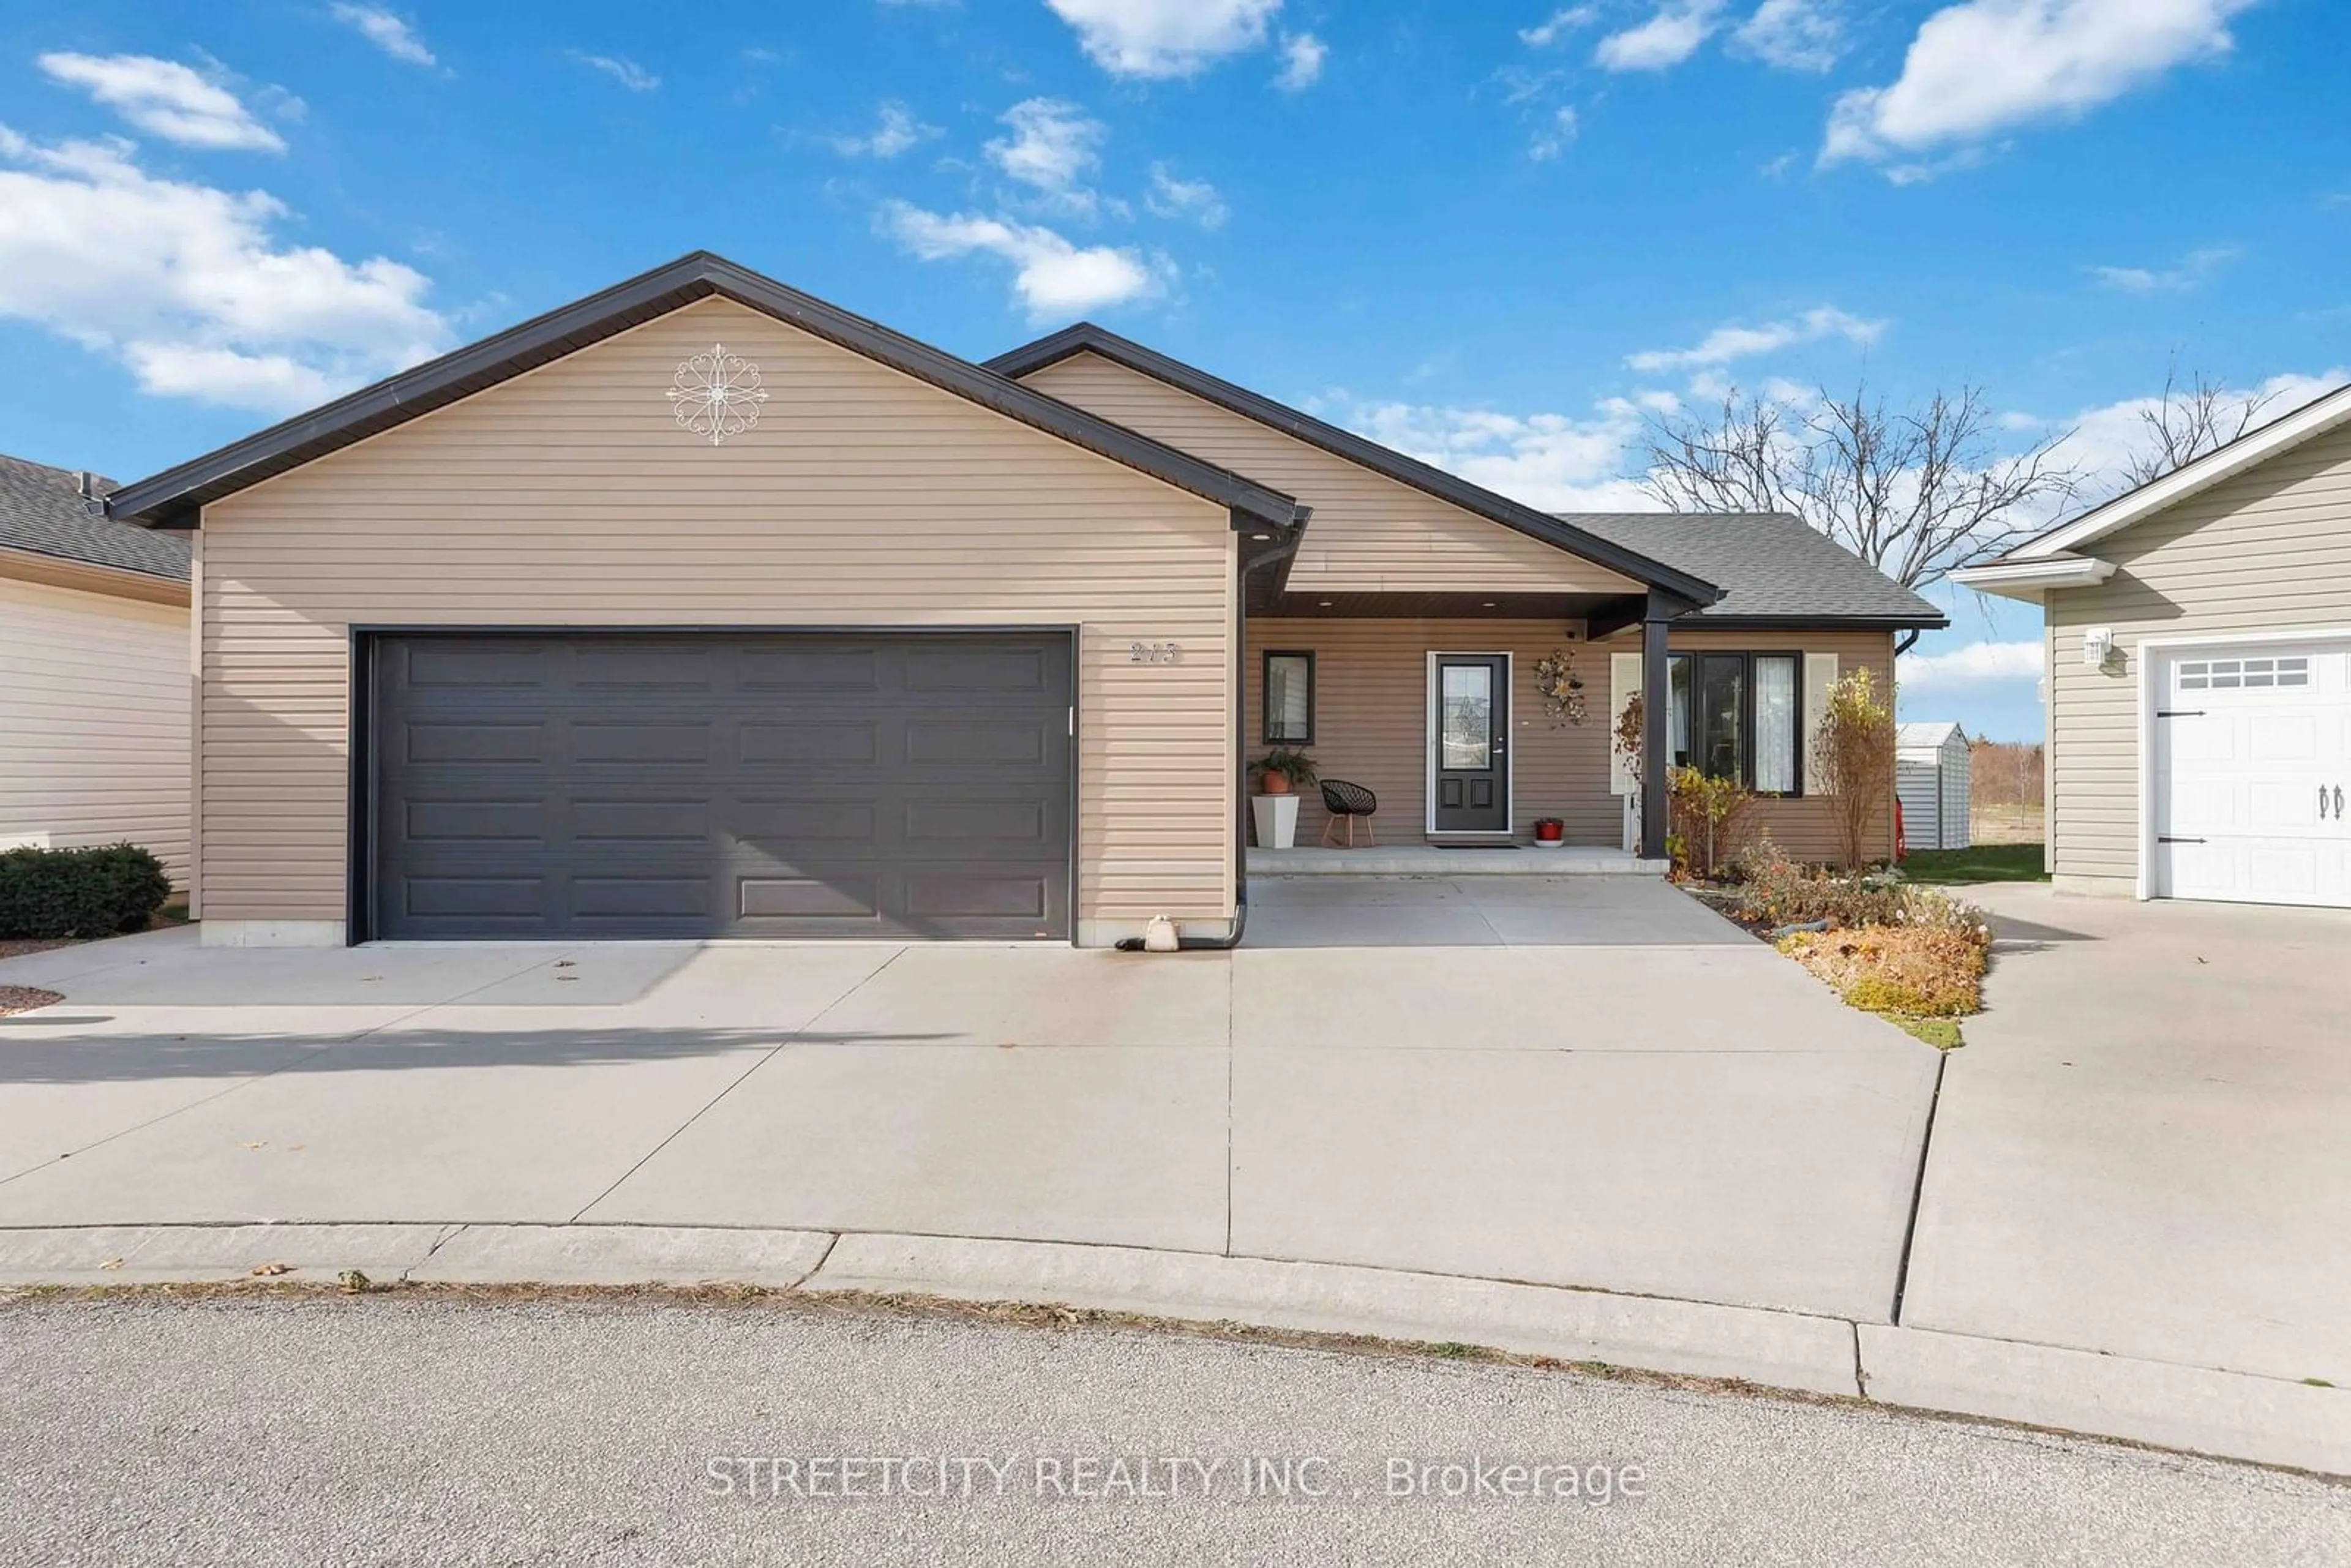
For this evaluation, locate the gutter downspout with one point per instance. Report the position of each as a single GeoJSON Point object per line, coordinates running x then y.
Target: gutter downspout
{"type": "Point", "coordinates": [1279, 553]}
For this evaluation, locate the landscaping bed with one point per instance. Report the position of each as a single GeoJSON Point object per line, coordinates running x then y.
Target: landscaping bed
{"type": "Point", "coordinates": [1886, 943]}
{"type": "Point", "coordinates": [25, 998]}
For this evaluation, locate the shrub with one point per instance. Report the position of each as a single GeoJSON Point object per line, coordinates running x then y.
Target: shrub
{"type": "Point", "coordinates": [1852, 760]}
{"type": "Point", "coordinates": [1776, 891]}
{"type": "Point", "coordinates": [1710, 816]}
{"type": "Point", "coordinates": [49, 893]}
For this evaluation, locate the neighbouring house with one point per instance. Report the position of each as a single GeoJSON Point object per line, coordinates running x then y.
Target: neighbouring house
{"type": "Point", "coordinates": [1934, 768]}
{"type": "Point", "coordinates": [2199, 647]}
{"type": "Point", "coordinates": [703, 607]}
{"type": "Point", "coordinates": [94, 670]}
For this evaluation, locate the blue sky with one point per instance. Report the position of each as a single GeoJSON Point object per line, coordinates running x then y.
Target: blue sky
{"type": "Point", "coordinates": [1492, 234]}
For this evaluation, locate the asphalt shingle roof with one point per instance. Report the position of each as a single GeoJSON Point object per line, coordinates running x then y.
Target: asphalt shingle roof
{"type": "Point", "coordinates": [42, 510]}
{"type": "Point", "coordinates": [1769, 565]}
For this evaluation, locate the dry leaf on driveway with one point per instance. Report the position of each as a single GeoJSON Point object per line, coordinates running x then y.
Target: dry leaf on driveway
{"type": "Point", "coordinates": [265, 1271]}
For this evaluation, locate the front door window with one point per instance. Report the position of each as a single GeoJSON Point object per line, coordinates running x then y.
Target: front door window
{"type": "Point", "coordinates": [1468, 716]}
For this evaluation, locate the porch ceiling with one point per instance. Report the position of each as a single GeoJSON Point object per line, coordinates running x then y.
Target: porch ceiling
{"type": "Point", "coordinates": [1444, 606]}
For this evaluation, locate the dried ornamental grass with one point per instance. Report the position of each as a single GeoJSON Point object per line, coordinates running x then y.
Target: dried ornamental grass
{"type": "Point", "coordinates": [1930, 971]}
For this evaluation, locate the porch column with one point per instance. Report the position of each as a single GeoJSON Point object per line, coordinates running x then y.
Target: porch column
{"type": "Point", "coordinates": [1655, 698]}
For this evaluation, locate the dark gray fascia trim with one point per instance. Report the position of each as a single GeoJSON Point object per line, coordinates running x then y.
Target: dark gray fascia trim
{"type": "Point", "coordinates": [1816, 623]}
{"type": "Point", "coordinates": [1087, 337]}
{"type": "Point", "coordinates": [176, 497]}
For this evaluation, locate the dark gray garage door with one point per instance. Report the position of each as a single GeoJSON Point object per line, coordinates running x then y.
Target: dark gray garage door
{"type": "Point", "coordinates": [697, 784]}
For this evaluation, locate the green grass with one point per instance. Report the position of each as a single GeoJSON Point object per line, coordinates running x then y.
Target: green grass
{"type": "Point", "coordinates": [1943, 1034]}
{"type": "Point", "coordinates": [1984, 863]}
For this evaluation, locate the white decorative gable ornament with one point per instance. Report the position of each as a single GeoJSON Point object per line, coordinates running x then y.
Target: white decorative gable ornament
{"type": "Point", "coordinates": [716, 393]}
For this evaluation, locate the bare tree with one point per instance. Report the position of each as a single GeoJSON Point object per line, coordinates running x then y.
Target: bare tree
{"type": "Point", "coordinates": [1916, 492]}
{"type": "Point", "coordinates": [2186, 421]}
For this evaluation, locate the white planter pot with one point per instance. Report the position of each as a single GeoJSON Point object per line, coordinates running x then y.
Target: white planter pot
{"type": "Point", "coordinates": [1277, 821]}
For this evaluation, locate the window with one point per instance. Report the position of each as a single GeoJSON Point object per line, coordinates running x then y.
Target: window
{"type": "Point", "coordinates": [1775, 723]}
{"type": "Point", "coordinates": [2224, 674]}
{"type": "Point", "coordinates": [1738, 716]}
{"type": "Point", "coordinates": [1467, 740]}
{"type": "Point", "coordinates": [1289, 699]}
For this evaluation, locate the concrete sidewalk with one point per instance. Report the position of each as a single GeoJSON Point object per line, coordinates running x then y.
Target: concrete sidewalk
{"type": "Point", "coordinates": [2227, 1415]}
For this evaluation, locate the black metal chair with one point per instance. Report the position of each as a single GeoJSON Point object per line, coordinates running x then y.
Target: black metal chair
{"type": "Point", "coordinates": [1346, 803]}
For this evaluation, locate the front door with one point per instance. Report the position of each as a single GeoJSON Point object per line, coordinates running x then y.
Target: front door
{"type": "Point", "coordinates": [1469, 769]}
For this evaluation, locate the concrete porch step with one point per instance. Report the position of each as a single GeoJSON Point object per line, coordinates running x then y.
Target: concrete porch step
{"type": "Point", "coordinates": [1432, 859]}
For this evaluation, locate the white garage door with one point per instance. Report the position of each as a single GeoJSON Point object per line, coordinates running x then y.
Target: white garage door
{"type": "Point", "coordinates": [2253, 774]}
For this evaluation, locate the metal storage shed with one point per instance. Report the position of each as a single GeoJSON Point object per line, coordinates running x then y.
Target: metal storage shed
{"type": "Point", "coordinates": [1931, 776]}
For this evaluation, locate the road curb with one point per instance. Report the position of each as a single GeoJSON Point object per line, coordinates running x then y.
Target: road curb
{"type": "Point", "coordinates": [2235, 1414]}
{"type": "Point", "coordinates": [1786, 1350]}
{"type": "Point", "coordinates": [186, 1254]}
{"type": "Point", "coordinates": [2227, 1415]}
{"type": "Point", "coordinates": [623, 1255]}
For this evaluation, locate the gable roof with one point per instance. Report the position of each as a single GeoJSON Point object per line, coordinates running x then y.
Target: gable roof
{"type": "Point", "coordinates": [174, 499]}
{"type": "Point", "coordinates": [1928, 734]}
{"type": "Point", "coordinates": [2289, 430]}
{"type": "Point", "coordinates": [1773, 567]}
{"type": "Point", "coordinates": [1087, 337]}
{"type": "Point", "coordinates": [43, 511]}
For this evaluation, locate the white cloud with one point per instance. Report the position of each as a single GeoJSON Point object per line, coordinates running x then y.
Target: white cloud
{"type": "Point", "coordinates": [898, 132]}
{"type": "Point", "coordinates": [165, 99]}
{"type": "Point", "coordinates": [2103, 440]}
{"type": "Point", "coordinates": [1794, 34]}
{"type": "Point", "coordinates": [1552, 139]}
{"type": "Point", "coordinates": [1302, 54]}
{"type": "Point", "coordinates": [387, 31]}
{"type": "Point", "coordinates": [625, 71]}
{"type": "Point", "coordinates": [1556, 462]}
{"type": "Point", "coordinates": [2196, 267]}
{"type": "Point", "coordinates": [1726, 343]}
{"type": "Point", "coordinates": [1562, 22]}
{"type": "Point", "coordinates": [190, 287]}
{"type": "Point", "coordinates": [1052, 276]}
{"type": "Point", "coordinates": [1195, 199]}
{"type": "Point", "coordinates": [1973, 664]}
{"type": "Point", "coordinates": [1984, 67]}
{"type": "Point", "coordinates": [1669, 36]}
{"type": "Point", "coordinates": [1165, 37]}
{"type": "Point", "coordinates": [1052, 148]}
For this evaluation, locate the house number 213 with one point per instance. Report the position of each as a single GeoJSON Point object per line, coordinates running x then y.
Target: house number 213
{"type": "Point", "coordinates": [1154, 653]}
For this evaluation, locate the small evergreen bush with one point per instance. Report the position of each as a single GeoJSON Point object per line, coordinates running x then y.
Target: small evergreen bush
{"type": "Point", "coordinates": [102, 891]}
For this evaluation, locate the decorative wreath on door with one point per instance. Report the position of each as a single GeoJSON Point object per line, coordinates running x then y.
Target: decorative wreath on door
{"type": "Point", "coordinates": [1560, 687]}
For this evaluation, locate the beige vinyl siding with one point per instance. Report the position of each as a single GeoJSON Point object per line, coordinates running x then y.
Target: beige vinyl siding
{"type": "Point", "coordinates": [1806, 826]}
{"type": "Point", "coordinates": [2266, 550]}
{"type": "Point", "coordinates": [1371, 721]}
{"type": "Point", "coordinates": [862, 496]}
{"type": "Point", "coordinates": [1369, 534]}
{"type": "Point", "coordinates": [93, 721]}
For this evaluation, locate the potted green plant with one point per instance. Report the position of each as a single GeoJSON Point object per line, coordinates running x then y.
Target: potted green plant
{"type": "Point", "coordinates": [1279, 770]}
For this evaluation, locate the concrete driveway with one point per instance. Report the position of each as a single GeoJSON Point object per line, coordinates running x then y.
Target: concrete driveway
{"type": "Point", "coordinates": [1587, 1080]}
{"type": "Point", "coordinates": [2145, 1148]}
